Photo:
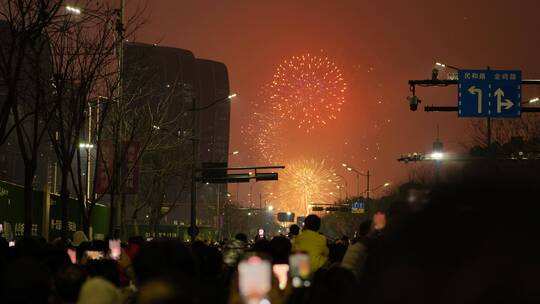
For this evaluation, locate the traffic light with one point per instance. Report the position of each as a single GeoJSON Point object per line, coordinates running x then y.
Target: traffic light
{"type": "Point", "coordinates": [266, 176]}
{"type": "Point", "coordinates": [214, 172]}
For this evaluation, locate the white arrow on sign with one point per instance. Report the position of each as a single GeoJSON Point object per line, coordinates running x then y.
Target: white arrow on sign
{"type": "Point", "coordinates": [507, 103]}
{"type": "Point", "coordinates": [476, 91]}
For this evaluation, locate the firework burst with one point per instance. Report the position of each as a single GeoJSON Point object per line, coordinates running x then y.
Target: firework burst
{"type": "Point", "coordinates": [308, 90]}
{"type": "Point", "coordinates": [305, 182]}
{"type": "Point", "coordinates": [261, 133]}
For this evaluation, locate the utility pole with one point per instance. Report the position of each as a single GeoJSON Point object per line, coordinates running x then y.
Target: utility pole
{"type": "Point", "coordinates": [357, 184]}
{"type": "Point", "coordinates": [120, 55]}
{"type": "Point", "coordinates": [218, 213]}
{"type": "Point", "coordinates": [437, 148]}
{"type": "Point", "coordinates": [488, 127]}
{"type": "Point", "coordinates": [238, 192]}
{"type": "Point", "coordinates": [193, 231]}
{"type": "Point", "coordinates": [367, 195]}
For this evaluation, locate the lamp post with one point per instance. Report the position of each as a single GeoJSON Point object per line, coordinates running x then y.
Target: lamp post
{"type": "Point", "coordinates": [119, 30]}
{"type": "Point", "coordinates": [386, 184]}
{"type": "Point", "coordinates": [532, 100]}
{"type": "Point", "coordinates": [346, 186]}
{"type": "Point", "coordinates": [358, 174]}
{"type": "Point", "coordinates": [218, 192]}
{"type": "Point", "coordinates": [443, 65]}
{"type": "Point", "coordinates": [87, 147]}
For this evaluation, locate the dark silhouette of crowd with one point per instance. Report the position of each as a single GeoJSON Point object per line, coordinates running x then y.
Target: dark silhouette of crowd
{"type": "Point", "coordinates": [472, 239]}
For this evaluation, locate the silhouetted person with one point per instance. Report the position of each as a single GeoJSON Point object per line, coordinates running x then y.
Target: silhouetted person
{"type": "Point", "coordinates": [169, 267]}
{"type": "Point", "coordinates": [280, 247]}
{"type": "Point", "coordinates": [68, 281]}
{"type": "Point", "coordinates": [312, 242]}
{"type": "Point", "coordinates": [25, 280]}
{"type": "Point", "coordinates": [294, 231]}
{"type": "Point", "coordinates": [241, 237]}
{"type": "Point", "coordinates": [356, 255]}
{"type": "Point", "coordinates": [473, 241]}
{"type": "Point", "coordinates": [336, 252]}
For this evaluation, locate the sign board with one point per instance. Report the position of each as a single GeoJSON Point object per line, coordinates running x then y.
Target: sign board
{"type": "Point", "coordinates": [285, 217]}
{"type": "Point", "coordinates": [489, 93]}
{"type": "Point", "coordinates": [358, 207]}
{"type": "Point", "coordinates": [130, 171]}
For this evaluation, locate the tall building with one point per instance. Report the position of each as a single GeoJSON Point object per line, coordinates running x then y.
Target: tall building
{"type": "Point", "coordinates": [164, 73]}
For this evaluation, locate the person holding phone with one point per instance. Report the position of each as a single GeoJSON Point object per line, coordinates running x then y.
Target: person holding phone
{"type": "Point", "coordinates": [312, 242]}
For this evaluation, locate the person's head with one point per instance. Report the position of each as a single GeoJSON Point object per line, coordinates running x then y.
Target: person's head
{"type": "Point", "coordinates": [241, 237]}
{"type": "Point", "coordinates": [68, 281]}
{"type": "Point", "coordinates": [336, 252]}
{"type": "Point", "coordinates": [280, 247]}
{"type": "Point", "coordinates": [312, 222]}
{"type": "Point", "coordinates": [25, 280]}
{"type": "Point", "coordinates": [104, 268]}
{"type": "Point", "coordinates": [139, 240]}
{"type": "Point", "coordinates": [335, 285]}
{"type": "Point", "coordinates": [99, 290]}
{"type": "Point", "coordinates": [294, 230]}
{"type": "Point", "coordinates": [209, 259]}
{"type": "Point", "coordinates": [78, 238]}
{"type": "Point", "coordinates": [163, 291]}
{"type": "Point", "coordinates": [364, 228]}
{"type": "Point", "coordinates": [168, 259]}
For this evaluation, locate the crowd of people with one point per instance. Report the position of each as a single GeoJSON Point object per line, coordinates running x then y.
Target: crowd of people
{"type": "Point", "coordinates": [173, 271]}
{"type": "Point", "coordinates": [470, 241]}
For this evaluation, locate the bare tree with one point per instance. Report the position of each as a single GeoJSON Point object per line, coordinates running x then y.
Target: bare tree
{"type": "Point", "coordinates": [82, 53]}
{"type": "Point", "coordinates": [503, 130]}
{"type": "Point", "coordinates": [25, 73]}
{"type": "Point", "coordinates": [165, 182]}
{"type": "Point", "coordinates": [87, 79]}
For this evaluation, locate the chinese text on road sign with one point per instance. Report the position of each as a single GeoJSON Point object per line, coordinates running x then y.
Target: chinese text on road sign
{"type": "Point", "coordinates": [489, 93]}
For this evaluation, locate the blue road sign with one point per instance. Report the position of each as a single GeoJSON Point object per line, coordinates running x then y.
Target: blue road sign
{"type": "Point", "coordinates": [506, 94]}
{"type": "Point", "coordinates": [358, 207]}
{"type": "Point", "coordinates": [489, 93]}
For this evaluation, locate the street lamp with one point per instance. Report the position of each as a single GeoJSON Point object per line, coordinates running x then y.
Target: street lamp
{"type": "Point", "coordinates": [532, 100]}
{"type": "Point", "coordinates": [270, 208]}
{"type": "Point", "coordinates": [443, 65]}
{"type": "Point", "coordinates": [342, 186]}
{"type": "Point", "coordinates": [385, 185]}
{"type": "Point", "coordinates": [228, 98]}
{"type": "Point", "coordinates": [437, 155]}
{"type": "Point", "coordinates": [88, 147]}
{"type": "Point", "coordinates": [193, 230]}
{"type": "Point", "coordinates": [73, 10]}
{"type": "Point", "coordinates": [358, 173]}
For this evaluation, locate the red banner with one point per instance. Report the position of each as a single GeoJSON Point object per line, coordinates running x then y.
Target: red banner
{"type": "Point", "coordinates": [130, 168]}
